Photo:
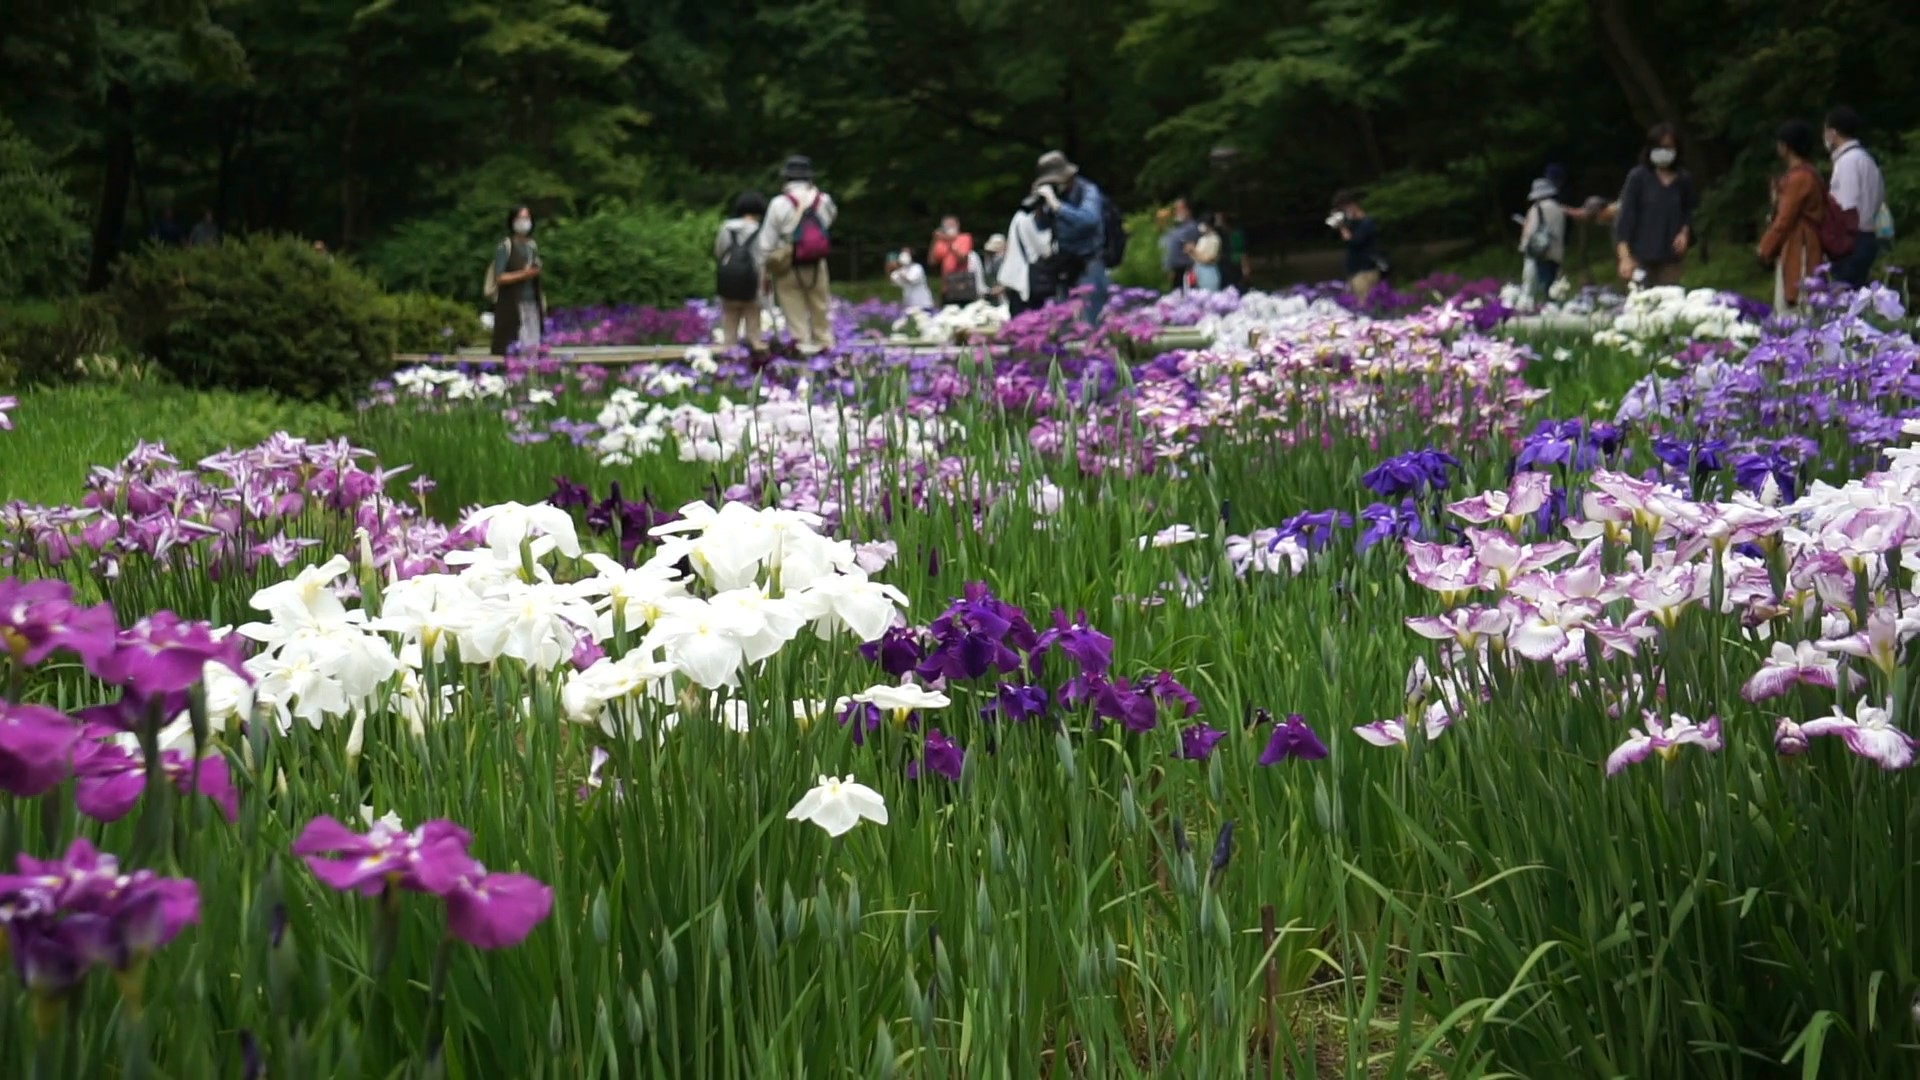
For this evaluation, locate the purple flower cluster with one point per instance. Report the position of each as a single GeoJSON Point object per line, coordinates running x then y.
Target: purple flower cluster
{"type": "Point", "coordinates": [63, 917]}
{"type": "Point", "coordinates": [1416, 472]}
{"type": "Point", "coordinates": [1570, 444]}
{"type": "Point", "coordinates": [632, 523]}
{"type": "Point", "coordinates": [234, 510]}
{"type": "Point", "coordinates": [629, 324]}
{"type": "Point", "coordinates": [485, 910]}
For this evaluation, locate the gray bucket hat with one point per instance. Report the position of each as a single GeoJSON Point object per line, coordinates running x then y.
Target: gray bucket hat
{"type": "Point", "coordinates": [1054, 168]}
{"type": "Point", "coordinates": [1543, 188]}
{"type": "Point", "coordinates": [798, 167]}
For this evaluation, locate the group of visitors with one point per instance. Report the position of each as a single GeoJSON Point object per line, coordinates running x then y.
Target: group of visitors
{"type": "Point", "coordinates": [1838, 222]}
{"type": "Point", "coordinates": [1206, 253]}
{"type": "Point", "coordinates": [776, 253]}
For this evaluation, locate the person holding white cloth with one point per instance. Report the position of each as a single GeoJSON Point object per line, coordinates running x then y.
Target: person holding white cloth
{"type": "Point", "coordinates": [1027, 270]}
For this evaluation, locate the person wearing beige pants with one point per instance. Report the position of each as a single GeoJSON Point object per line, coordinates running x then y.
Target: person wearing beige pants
{"type": "Point", "coordinates": [740, 319]}
{"type": "Point", "coordinates": [803, 294]}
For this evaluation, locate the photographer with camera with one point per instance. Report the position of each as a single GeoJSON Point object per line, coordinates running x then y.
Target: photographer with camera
{"type": "Point", "coordinates": [1365, 265]}
{"type": "Point", "coordinates": [1079, 230]}
{"type": "Point", "coordinates": [912, 279]}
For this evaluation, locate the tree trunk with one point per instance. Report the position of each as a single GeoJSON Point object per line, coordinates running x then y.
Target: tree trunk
{"type": "Point", "coordinates": [1650, 98]}
{"type": "Point", "coordinates": [349, 144]}
{"type": "Point", "coordinates": [111, 221]}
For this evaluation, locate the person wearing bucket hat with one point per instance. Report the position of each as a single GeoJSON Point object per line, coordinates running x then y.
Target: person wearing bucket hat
{"type": "Point", "coordinates": [1079, 230]}
{"type": "Point", "coordinates": [794, 244]}
{"type": "Point", "coordinates": [1543, 238]}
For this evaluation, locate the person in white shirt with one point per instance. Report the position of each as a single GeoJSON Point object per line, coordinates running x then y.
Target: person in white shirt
{"type": "Point", "coordinates": [800, 283]}
{"type": "Point", "coordinates": [912, 279]}
{"type": "Point", "coordinates": [1857, 188]}
{"type": "Point", "coordinates": [1027, 271]}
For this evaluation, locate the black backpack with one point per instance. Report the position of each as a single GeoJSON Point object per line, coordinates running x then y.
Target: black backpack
{"type": "Point", "coordinates": [1113, 250]}
{"type": "Point", "coordinates": [737, 278]}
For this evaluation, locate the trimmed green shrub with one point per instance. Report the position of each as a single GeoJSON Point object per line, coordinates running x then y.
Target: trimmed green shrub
{"type": "Point", "coordinates": [1141, 269]}
{"type": "Point", "coordinates": [425, 323]}
{"type": "Point", "coordinates": [43, 235]}
{"type": "Point", "coordinates": [50, 341]}
{"type": "Point", "coordinates": [258, 313]}
{"type": "Point", "coordinates": [620, 254]}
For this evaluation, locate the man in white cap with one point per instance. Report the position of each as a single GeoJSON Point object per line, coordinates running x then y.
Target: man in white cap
{"type": "Point", "coordinates": [996, 249]}
{"type": "Point", "coordinates": [1079, 230]}
{"type": "Point", "coordinates": [794, 244]}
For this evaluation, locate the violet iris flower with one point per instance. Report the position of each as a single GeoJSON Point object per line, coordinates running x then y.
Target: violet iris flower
{"type": "Point", "coordinates": [1198, 740]}
{"type": "Point", "coordinates": [1292, 738]}
{"type": "Point", "coordinates": [164, 654]}
{"type": "Point", "coordinates": [898, 651]}
{"type": "Point", "coordinates": [1415, 472]}
{"type": "Point", "coordinates": [974, 635]}
{"type": "Point", "coordinates": [1090, 649]}
{"type": "Point", "coordinates": [1698, 458]}
{"type": "Point", "coordinates": [36, 748]}
{"type": "Point", "coordinates": [1752, 471]}
{"type": "Point", "coordinates": [1120, 700]}
{"type": "Point", "coordinates": [1386, 522]}
{"type": "Point", "coordinates": [938, 754]}
{"type": "Point", "coordinates": [863, 717]}
{"type": "Point", "coordinates": [1313, 528]}
{"type": "Point", "coordinates": [1016, 703]}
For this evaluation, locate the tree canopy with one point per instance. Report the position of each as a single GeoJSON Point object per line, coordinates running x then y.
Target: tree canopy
{"type": "Point", "coordinates": [362, 123]}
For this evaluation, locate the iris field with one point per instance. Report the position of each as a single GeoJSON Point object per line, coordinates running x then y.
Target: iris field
{"type": "Point", "coordinates": [1409, 692]}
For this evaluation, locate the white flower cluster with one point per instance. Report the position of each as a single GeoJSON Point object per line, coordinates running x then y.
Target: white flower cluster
{"type": "Point", "coordinates": [784, 424]}
{"type": "Point", "coordinates": [760, 578]}
{"type": "Point", "coordinates": [1268, 315]}
{"type": "Point", "coordinates": [976, 321]}
{"type": "Point", "coordinates": [448, 384]}
{"type": "Point", "coordinates": [1669, 312]}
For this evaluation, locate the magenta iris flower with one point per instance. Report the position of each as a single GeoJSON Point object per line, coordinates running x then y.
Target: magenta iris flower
{"type": "Point", "coordinates": [487, 911]}
{"type": "Point", "coordinates": [1292, 738]}
{"type": "Point", "coordinates": [63, 916]}
{"type": "Point", "coordinates": [109, 778]}
{"type": "Point", "coordinates": [36, 748]}
{"type": "Point", "coordinates": [165, 654]}
{"type": "Point", "coordinates": [39, 617]}
{"type": "Point", "coordinates": [1198, 740]}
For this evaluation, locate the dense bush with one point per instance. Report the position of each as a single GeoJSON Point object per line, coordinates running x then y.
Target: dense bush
{"type": "Point", "coordinates": [257, 313]}
{"type": "Point", "coordinates": [50, 341]}
{"type": "Point", "coordinates": [443, 254]}
{"type": "Point", "coordinates": [425, 323]}
{"type": "Point", "coordinates": [1141, 269]}
{"type": "Point", "coordinates": [42, 234]}
{"type": "Point", "coordinates": [629, 254]}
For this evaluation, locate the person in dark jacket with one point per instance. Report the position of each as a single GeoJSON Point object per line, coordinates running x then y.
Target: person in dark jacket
{"type": "Point", "coordinates": [513, 283]}
{"type": "Point", "coordinates": [1653, 228]}
{"type": "Point", "coordinates": [1079, 230]}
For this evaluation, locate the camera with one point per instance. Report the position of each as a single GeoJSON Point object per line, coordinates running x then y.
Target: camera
{"type": "Point", "coordinates": [1336, 220]}
{"type": "Point", "coordinates": [1033, 203]}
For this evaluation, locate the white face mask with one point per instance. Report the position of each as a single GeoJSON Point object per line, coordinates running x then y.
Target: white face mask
{"type": "Point", "coordinates": [1662, 156]}
{"type": "Point", "coordinates": [523, 226]}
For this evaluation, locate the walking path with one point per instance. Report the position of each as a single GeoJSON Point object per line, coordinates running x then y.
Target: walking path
{"type": "Point", "coordinates": [624, 355]}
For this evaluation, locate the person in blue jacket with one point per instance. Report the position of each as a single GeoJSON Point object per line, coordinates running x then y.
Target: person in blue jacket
{"type": "Point", "coordinates": [1079, 232]}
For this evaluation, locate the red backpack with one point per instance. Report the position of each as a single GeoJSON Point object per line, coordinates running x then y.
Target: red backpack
{"type": "Point", "coordinates": [1837, 226]}
{"type": "Point", "coordinates": [811, 242]}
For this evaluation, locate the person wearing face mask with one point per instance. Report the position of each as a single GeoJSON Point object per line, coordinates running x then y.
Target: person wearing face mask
{"type": "Point", "coordinates": [513, 284]}
{"type": "Point", "coordinates": [1653, 227]}
{"type": "Point", "coordinates": [1859, 191]}
{"type": "Point", "coordinates": [912, 279]}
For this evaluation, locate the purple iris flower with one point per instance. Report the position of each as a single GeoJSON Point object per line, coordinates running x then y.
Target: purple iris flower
{"type": "Point", "coordinates": [1016, 703]}
{"type": "Point", "coordinates": [1415, 472]}
{"type": "Point", "coordinates": [1087, 647]}
{"type": "Point", "coordinates": [1569, 443]}
{"type": "Point", "coordinates": [1198, 740]}
{"type": "Point", "coordinates": [1386, 522]}
{"type": "Point", "coordinates": [1752, 471]}
{"type": "Point", "coordinates": [977, 633]}
{"type": "Point", "coordinates": [1118, 699]}
{"type": "Point", "coordinates": [898, 651]}
{"type": "Point", "coordinates": [36, 748]}
{"type": "Point", "coordinates": [940, 755]}
{"type": "Point", "coordinates": [1699, 457]}
{"type": "Point", "coordinates": [862, 717]}
{"type": "Point", "coordinates": [1292, 738]}
{"type": "Point", "coordinates": [1313, 528]}
{"type": "Point", "coordinates": [1164, 687]}
{"type": "Point", "coordinates": [568, 495]}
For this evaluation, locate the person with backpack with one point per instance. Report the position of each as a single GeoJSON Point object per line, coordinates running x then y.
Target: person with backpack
{"type": "Point", "coordinates": [795, 241]}
{"type": "Point", "coordinates": [1087, 233]}
{"type": "Point", "coordinates": [952, 257]}
{"type": "Point", "coordinates": [1543, 238]}
{"type": "Point", "coordinates": [1859, 193]}
{"type": "Point", "coordinates": [738, 277]}
{"type": "Point", "coordinates": [1791, 245]}
{"type": "Point", "coordinates": [513, 284]}
{"type": "Point", "coordinates": [1653, 228]}
{"type": "Point", "coordinates": [996, 249]}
